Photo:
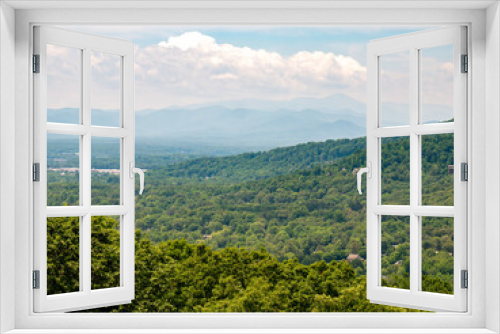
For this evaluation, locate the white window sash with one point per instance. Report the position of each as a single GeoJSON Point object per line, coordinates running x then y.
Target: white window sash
{"type": "Point", "coordinates": [415, 297]}
{"type": "Point", "coordinates": [86, 297]}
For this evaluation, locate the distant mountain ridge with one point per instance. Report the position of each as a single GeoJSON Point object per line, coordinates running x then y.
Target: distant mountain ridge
{"type": "Point", "coordinates": [254, 122]}
{"type": "Point", "coordinates": [330, 104]}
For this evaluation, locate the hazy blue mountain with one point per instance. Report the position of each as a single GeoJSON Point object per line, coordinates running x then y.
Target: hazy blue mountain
{"type": "Point", "coordinates": [100, 117]}
{"type": "Point", "coordinates": [397, 114]}
{"type": "Point", "coordinates": [257, 123]}
{"type": "Point", "coordinates": [248, 123]}
{"type": "Point", "coordinates": [333, 104]}
{"type": "Point", "coordinates": [65, 115]}
{"type": "Point", "coordinates": [246, 127]}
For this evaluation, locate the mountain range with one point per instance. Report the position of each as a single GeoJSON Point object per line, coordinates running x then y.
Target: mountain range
{"type": "Point", "coordinates": [254, 122]}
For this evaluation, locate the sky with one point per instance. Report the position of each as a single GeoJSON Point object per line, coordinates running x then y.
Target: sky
{"type": "Point", "coordinates": [184, 65]}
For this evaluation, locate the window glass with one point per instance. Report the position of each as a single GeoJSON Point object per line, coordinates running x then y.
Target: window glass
{"type": "Point", "coordinates": [437, 84]}
{"type": "Point", "coordinates": [105, 252]}
{"type": "Point", "coordinates": [64, 75]}
{"type": "Point", "coordinates": [63, 255]}
{"type": "Point", "coordinates": [396, 252]}
{"type": "Point", "coordinates": [395, 89]}
{"type": "Point", "coordinates": [395, 171]}
{"type": "Point", "coordinates": [105, 171]}
{"type": "Point", "coordinates": [105, 89]}
{"type": "Point", "coordinates": [63, 170]}
{"type": "Point", "coordinates": [438, 169]}
{"type": "Point", "coordinates": [437, 254]}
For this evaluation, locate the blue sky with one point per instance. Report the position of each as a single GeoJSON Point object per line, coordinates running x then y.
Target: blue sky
{"type": "Point", "coordinates": [290, 40]}
{"type": "Point", "coordinates": [282, 39]}
{"type": "Point", "coordinates": [180, 65]}
{"type": "Point", "coordinates": [285, 40]}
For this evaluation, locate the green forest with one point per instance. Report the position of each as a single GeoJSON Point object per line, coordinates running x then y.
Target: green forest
{"type": "Point", "coordinates": [267, 231]}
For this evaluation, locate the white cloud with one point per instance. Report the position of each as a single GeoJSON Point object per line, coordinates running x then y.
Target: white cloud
{"type": "Point", "coordinates": [105, 80]}
{"type": "Point", "coordinates": [437, 80]}
{"type": "Point", "coordinates": [63, 77]}
{"type": "Point", "coordinates": [224, 76]}
{"type": "Point", "coordinates": [189, 40]}
{"type": "Point", "coordinates": [193, 68]}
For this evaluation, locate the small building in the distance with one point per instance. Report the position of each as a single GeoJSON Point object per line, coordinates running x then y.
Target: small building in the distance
{"type": "Point", "coordinates": [353, 257]}
{"type": "Point", "coordinates": [451, 169]}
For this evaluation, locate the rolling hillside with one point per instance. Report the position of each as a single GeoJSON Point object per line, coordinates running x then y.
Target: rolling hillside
{"type": "Point", "coordinates": [262, 164]}
{"type": "Point", "coordinates": [297, 202]}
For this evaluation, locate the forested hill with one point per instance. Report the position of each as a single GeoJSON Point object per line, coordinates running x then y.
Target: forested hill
{"type": "Point", "coordinates": [174, 276]}
{"type": "Point", "coordinates": [311, 213]}
{"type": "Point", "coordinates": [264, 164]}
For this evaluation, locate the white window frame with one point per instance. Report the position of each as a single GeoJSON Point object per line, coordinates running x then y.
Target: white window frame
{"type": "Point", "coordinates": [415, 210]}
{"type": "Point", "coordinates": [484, 50]}
{"type": "Point", "coordinates": [86, 297]}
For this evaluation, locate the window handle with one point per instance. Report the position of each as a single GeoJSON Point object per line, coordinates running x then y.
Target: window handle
{"type": "Point", "coordinates": [135, 170]}
{"type": "Point", "coordinates": [361, 171]}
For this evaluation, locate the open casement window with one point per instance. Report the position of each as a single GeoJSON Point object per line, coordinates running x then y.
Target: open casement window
{"type": "Point", "coordinates": [70, 151]}
{"type": "Point", "coordinates": [417, 213]}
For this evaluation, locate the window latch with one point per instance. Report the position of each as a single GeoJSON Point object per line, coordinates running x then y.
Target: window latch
{"type": "Point", "coordinates": [361, 171]}
{"type": "Point", "coordinates": [134, 170]}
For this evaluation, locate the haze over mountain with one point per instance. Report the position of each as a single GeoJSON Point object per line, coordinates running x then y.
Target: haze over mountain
{"type": "Point", "coordinates": [329, 104]}
{"type": "Point", "coordinates": [254, 122]}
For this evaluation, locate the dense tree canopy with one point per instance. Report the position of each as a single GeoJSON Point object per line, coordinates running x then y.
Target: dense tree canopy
{"type": "Point", "coordinates": [175, 276]}
{"type": "Point", "coordinates": [265, 231]}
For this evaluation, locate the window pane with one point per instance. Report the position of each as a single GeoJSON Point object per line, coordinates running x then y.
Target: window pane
{"type": "Point", "coordinates": [63, 255]}
{"type": "Point", "coordinates": [437, 254]}
{"type": "Point", "coordinates": [396, 171]}
{"type": "Point", "coordinates": [437, 84]}
{"type": "Point", "coordinates": [105, 89]}
{"type": "Point", "coordinates": [63, 169]}
{"type": "Point", "coordinates": [438, 169]}
{"type": "Point", "coordinates": [105, 171]}
{"type": "Point", "coordinates": [395, 89]}
{"type": "Point", "coordinates": [105, 252]}
{"type": "Point", "coordinates": [396, 252]}
{"type": "Point", "coordinates": [64, 75]}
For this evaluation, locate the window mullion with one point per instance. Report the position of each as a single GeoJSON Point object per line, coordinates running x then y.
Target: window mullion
{"type": "Point", "coordinates": [86, 228]}
{"type": "Point", "coordinates": [127, 226]}
{"type": "Point", "coordinates": [414, 172]}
